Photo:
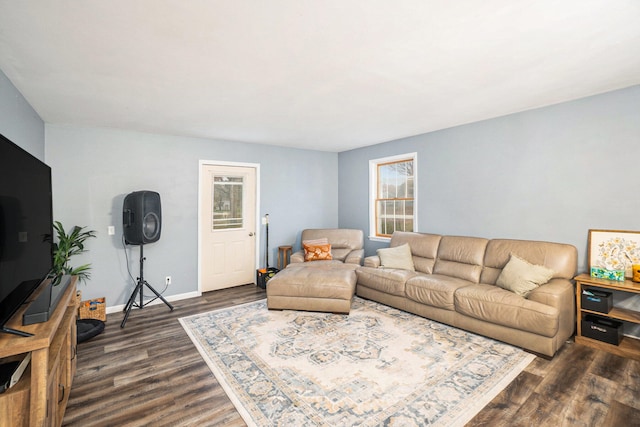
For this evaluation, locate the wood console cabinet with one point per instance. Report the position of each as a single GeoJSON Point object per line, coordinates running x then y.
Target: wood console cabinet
{"type": "Point", "coordinates": [629, 347]}
{"type": "Point", "coordinates": [40, 397]}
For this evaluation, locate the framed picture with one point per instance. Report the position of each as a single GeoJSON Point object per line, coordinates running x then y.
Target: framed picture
{"type": "Point", "coordinates": [612, 252]}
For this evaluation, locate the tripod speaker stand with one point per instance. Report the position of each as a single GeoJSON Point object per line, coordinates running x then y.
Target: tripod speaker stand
{"type": "Point", "coordinates": [140, 289]}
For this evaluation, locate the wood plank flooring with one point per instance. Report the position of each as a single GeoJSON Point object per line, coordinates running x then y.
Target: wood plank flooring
{"type": "Point", "coordinates": [150, 374]}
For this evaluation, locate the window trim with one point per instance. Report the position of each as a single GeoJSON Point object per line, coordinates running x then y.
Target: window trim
{"type": "Point", "coordinates": [373, 190]}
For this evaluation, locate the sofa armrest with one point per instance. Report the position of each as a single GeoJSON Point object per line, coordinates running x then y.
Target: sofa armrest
{"type": "Point", "coordinates": [355, 257]}
{"type": "Point", "coordinates": [372, 261]}
{"type": "Point", "coordinates": [297, 257]}
{"type": "Point", "coordinates": [558, 293]}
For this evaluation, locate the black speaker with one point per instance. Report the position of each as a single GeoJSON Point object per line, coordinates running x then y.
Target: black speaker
{"type": "Point", "coordinates": [141, 217]}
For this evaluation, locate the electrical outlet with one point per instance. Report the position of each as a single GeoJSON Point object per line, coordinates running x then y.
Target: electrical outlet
{"type": "Point", "coordinates": [111, 230]}
{"type": "Point", "coordinates": [167, 280]}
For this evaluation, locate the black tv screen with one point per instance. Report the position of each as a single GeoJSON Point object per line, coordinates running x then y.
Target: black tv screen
{"type": "Point", "coordinates": [26, 226]}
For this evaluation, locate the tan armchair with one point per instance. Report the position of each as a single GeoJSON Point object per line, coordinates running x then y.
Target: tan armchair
{"type": "Point", "coordinates": [346, 244]}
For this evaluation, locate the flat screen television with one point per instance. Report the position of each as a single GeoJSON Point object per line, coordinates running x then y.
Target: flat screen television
{"type": "Point", "coordinates": [26, 228]}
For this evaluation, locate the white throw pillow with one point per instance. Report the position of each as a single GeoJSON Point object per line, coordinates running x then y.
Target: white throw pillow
{"type": "Point", "coordinates": [398, 257]}
{"type": "Point", "coordinates": [521, 277]}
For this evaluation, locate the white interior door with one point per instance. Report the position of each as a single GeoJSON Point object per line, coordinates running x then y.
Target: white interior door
{"type": "Point", "coordinates": [227, 226]}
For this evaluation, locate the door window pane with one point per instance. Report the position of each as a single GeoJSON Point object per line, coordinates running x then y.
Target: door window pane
{"type": "Point", "coordinates": [227, 202]}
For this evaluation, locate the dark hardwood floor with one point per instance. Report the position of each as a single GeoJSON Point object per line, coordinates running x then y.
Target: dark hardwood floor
{"type": "Point", "coordinates": [149, 373]}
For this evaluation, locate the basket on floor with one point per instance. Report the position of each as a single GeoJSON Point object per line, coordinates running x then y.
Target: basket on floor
{"type": "Point", "coordinates": [264, 275]}
{"type": "Point", "coordinates": [93, 309]}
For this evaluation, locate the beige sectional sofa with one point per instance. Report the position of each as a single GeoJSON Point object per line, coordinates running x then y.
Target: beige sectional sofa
{"type": "Point", "coordinates": [454, 282]}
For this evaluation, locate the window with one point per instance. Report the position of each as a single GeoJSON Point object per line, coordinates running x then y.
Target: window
{"type": "Point", "coordinates": [392, 189]}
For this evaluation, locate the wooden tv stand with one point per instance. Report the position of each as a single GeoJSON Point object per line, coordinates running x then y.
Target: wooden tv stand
{"type": "Point", "coordinates": [40, 397]}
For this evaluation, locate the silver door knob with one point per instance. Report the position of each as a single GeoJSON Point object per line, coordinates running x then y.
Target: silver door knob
{"type": "Point", "coordinates": [251, 234]}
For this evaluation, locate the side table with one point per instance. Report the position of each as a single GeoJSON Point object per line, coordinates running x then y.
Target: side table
{"type": "Point", "coordinates": [629, 347]}
{"type": "Point", "coordinates": [284, 252]}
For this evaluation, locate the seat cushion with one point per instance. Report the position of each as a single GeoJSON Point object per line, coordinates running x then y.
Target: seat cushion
{"type": "Point", "coordinates": [388, 280]}
{"type": "Point", "coordinates": [435, 289]}
{"type": "Point", "coordinates": [496, 305]}
{"type": "Point", "coordinates": [326, 280]}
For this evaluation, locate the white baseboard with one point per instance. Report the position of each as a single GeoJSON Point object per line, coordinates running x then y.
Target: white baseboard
{"type": "Point", "coordinates": [119, 308]}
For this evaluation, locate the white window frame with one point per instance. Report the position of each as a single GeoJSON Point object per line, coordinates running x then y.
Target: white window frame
{"type": "Point", "coordinates": [373, 188]}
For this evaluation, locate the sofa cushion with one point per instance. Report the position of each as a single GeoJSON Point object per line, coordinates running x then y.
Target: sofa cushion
{"type": "Point", "coordinates": [521, 277]}
{"type": "Point", "coordinates": [317, 252]}
{"type": "Point", "coordinates": [332, 263]}
{"type": "Point", "coordinates": [461, 257]}
{"type": "Point", "coordinates": [388, 280]}
{"type": "Point", "coordinates": [559, 257]}
{"type": "Point", "coordinates": [496, 305]}
{"type": "Point", "coordinates": [321, 241]}
{"type": "Point", "coordinates": [346, 244]}
{"type": "Point", "coordinates": [435, 289]}
{"type": "Point", "coordinates": [353, 257]}
{"type": "Point", "coordinates": [397, 257]}
{"type": "Point", "coordinates": [314, 280]}
{"type": "Point", "coordinates": [342, 238]}
{"type": "Point", "coordinates": [424, 248]}
{"type": "Point", "coordinates": [340, 253]}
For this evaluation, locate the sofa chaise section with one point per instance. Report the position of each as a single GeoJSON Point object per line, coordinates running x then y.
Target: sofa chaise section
{"type": "Point", "coordinates": [346, 244]}
{"type": "Point", "coordinates": [321, 285]}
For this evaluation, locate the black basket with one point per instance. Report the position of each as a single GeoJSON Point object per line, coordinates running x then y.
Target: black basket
{"type": "Point", "coordinates": [602, 329]}
{"type": "Point", "coordinates": [264, 275]}
{"type": "Point", "coordinates": [596, 300]}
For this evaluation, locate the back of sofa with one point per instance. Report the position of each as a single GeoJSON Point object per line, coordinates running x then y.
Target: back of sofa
{"type": "Point", "coordinates": [461, 257]}
{"type": "Point", "coordinates": [343, 240]}
{"type": "Point", "coordinates": [481, 260]}
{"type": "Point", "coordinates": [559, 257]}
{"type": "Point", "coordinates": [424, 248]}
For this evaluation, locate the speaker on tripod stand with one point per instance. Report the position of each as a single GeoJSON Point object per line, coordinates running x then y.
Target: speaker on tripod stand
{"type": "Point", "coordinates": [142, 223]}
{"type": "Point", "coordinates": [141, 217]}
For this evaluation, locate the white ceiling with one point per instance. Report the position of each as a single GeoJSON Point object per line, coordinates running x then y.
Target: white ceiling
{"type": "Point", "coordinates": [326, 74]}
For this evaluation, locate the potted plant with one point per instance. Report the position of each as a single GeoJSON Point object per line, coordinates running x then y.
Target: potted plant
{"type": "Point", "coordinates": [67, 246]}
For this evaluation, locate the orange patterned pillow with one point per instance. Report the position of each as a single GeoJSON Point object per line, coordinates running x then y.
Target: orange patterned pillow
{"type": "Point", "coordinates": [317, 252]}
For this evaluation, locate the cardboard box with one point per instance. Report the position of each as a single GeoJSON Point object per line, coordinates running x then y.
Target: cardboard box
{"type": "Point", "coordinates": [602, 329]}
{"type": "Point", "coordinates": [596, 300]}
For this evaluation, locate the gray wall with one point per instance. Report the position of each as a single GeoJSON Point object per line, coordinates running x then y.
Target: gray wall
{"type": "Point", "coordinates": [547, 174]}
{"type": "Point", "coordinates": [18, 121]}
{"type": "Point", "coordinates": [94, 169]}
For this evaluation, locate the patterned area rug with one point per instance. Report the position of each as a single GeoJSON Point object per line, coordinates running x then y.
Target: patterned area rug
{"type": "Point", "coordinates": [376, 366]}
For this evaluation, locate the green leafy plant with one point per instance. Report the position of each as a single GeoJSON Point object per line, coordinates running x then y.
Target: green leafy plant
{"type": "Point", "coordinates": [68, 245]}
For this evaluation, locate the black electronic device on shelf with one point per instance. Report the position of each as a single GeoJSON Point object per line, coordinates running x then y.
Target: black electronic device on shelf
{"type": "Point", "coordinates": [26, 229]}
